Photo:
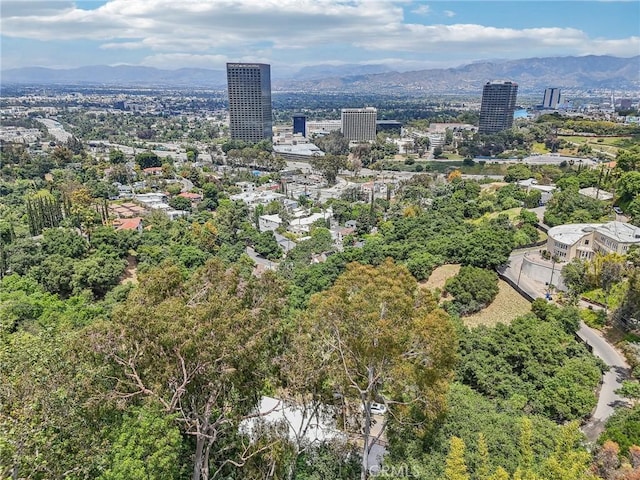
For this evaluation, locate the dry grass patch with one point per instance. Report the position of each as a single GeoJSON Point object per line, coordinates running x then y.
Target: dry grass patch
{"type": "Point", "coordinates": [130, 274]}
{"type": "Point", "coordinates": [493, 186]}
{"type": "Point", "coordinates": [507, 305]}
{"type": "Point", "coordinates": [440, 275]}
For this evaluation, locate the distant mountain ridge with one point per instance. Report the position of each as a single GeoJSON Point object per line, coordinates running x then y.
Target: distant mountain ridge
{"type": "Point", "coordinates": [125, 75]}
{"type": "Point", "coordinates": [532, 75]}
{"type": "Point", "coordinates": [317, 72]}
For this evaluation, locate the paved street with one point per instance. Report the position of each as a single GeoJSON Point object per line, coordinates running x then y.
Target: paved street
{"type": "Point", "coordinates": [267, 264]}
{"type": "Point", "coordinates": [612, 380]}
{"type": "Point", "coordinates": [618, 367]}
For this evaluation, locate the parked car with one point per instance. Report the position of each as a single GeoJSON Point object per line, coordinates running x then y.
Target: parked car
{"type": "Point", "coordinates": [618, 210]}
{"type": "Point", "coordinates": [378, 408]}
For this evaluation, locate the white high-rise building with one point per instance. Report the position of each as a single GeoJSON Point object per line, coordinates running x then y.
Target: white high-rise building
{"type": "Point", "coordinates": [551, 98]}
{"type": "Point", "coordinates": [359, 124]}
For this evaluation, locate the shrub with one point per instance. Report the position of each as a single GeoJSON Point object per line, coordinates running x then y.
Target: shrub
{"type": "Point", "coordinates": [593, 318]}
{"type": "Point", "coordinates": [473, 289]}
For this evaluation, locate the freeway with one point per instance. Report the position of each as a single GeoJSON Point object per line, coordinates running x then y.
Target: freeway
{"type": "Point", "coordinates": [56, 129]}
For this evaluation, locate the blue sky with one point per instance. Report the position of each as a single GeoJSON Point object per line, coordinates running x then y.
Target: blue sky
{"type": "Point", "coordinates": [289, 34]}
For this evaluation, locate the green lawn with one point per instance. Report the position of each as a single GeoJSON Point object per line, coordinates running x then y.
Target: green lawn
{"type": "Point", "coordinates": [539, 148]}
{"type": "Point", "coordinates": [512, 213]}
{"type": "Point", "coordinates": [453, 156]}
{"type": "Point", "coordinates": [606, 145]}
{"type": "Point", "coordinates": [594, 140]}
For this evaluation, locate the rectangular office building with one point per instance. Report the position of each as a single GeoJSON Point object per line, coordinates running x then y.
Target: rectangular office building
{"type": "Point", "coordinates": [551, 98]}
{"type": "Point", "coordinates": [498, 105]}
{"type": "Point", "coordinates": [249, 86]}
{"type": "Point", "coordinates": [359, 124]}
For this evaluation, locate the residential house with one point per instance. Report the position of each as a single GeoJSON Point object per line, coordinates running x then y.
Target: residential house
{"type": "Point", "coordinates": [128, 224]}
{"type": "Point", "coordinates": [584, 240]}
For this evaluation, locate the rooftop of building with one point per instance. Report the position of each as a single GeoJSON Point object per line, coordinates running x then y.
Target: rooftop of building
{"type": "Point", "coordinates": [127, 223]}
{"type": "Point", "coordinates": [190, 195]}
{"type": "Point", "coordinates": [247, 65]}
{"type": "Point", "coordinates": [620, 231]}
{"type": "Point", "coordinates": [596, 193]}
{"type": "Point", "coordinates": [571, 233]}
{"type": "Point", "coordinates": [257, 196]}
{"type": "Point", "coordinates": [360, 110]}
{"type": "Point", "coordinates": [533, 183]}
{"type": "Point", "coordinates": [299, 149]}
{"type": "Point", "coordinates": [501, 82]}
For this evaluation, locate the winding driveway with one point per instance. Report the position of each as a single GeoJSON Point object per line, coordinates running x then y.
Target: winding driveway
{"type": "Point", "coordinates": [618, 367]}
{"type": "Point", "coordinates": [611, 381]}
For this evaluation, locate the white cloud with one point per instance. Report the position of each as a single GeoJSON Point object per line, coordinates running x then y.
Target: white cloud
{"type": "Point", "coordinates": [122, 46]}
{"type": "Point", "coordinates": [449, 13]}
{"type": "Point", "coordinates": [286, 31]}
{"type": "Point", "coordinates": [422, 10]}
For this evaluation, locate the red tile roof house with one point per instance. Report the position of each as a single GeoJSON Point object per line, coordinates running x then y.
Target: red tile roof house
{"type": "Point", "coordinates": [128, 224]}
{"type": "Point", "coordinates": [157, 171]}
{"type": "Point", "coordinates": [194, 197]}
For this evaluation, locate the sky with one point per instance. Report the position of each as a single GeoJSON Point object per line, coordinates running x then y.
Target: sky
{"type": "Point", "coordinates": [291, 34]}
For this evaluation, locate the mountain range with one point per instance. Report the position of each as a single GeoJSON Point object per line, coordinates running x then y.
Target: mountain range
{"type": "Point", "coordinates": [532, 75]}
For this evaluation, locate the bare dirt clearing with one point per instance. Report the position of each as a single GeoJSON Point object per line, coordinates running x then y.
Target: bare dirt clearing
{"type": "Point", "coordinates": [507, 305]}
{"type": "Point", "coordinates": [440, 275]}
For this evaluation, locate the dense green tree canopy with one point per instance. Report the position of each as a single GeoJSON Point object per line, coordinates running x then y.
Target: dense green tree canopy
{"type": "Point", "coordinates": [171, 342]}
{"type": "Point", "coordinates": [533, 359]}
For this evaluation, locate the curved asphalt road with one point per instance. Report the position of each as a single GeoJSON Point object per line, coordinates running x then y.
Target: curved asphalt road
{"type": "Point", "coordinates": [618, 367]}
{"type": "Point", "coordinates": [611, 381]}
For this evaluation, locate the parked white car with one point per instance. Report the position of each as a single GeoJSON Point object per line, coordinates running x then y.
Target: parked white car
{"type": "Point", "coordinates": [378, 408]}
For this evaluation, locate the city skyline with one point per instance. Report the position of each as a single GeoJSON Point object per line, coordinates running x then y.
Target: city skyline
{"type": "Point", "coordinates": [293, 34]}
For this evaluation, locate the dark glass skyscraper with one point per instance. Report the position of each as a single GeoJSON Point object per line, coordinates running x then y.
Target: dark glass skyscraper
{"type": "Point", "coordinates": [300, 124]}
{"type": "Point", "coordinates": [498, 105]}
{"type": "Point", "coordinates": [249, 86]}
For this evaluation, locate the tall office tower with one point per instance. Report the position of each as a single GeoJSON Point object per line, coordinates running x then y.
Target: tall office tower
{"type": "Point", "coordinates": [551, 98]}
{"type": "Point", "coordinates": [300, 124]}
{"type": "Point", "coordinates": [249, 86]}
{"type": "Point", "coordinates": [498, 105]}
{"type": "Point", "coordinates": [359, 124]}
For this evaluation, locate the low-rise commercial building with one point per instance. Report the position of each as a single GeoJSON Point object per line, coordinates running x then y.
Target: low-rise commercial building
{"type": "Point", "coordinates": [304, 151]}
